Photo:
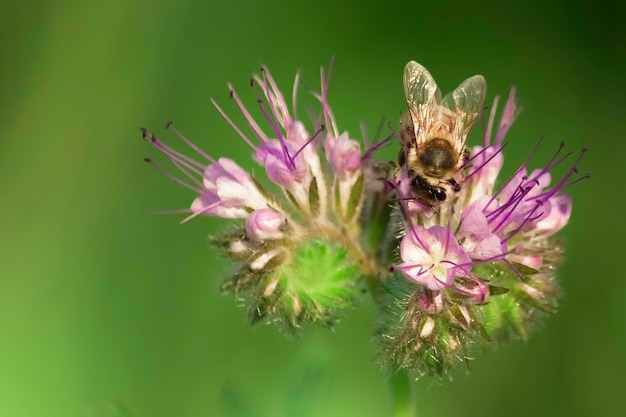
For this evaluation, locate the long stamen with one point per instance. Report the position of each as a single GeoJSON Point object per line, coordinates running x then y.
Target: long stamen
{"type": "Point", "coordinates": [271, 120]}
{"type": "Point", "coordinates": [277, 101]}
{"type": "Point", "coordinates": [294, 94]}
{"type": "Point", "coordinates": [170, 125]}
{"type": "Point", "coordinates": [178, 211]}
{"type": "Point", "coordinates": [172, 177]}
{"type": "Point", "coordinates": [329, 118]}
{"type": "Point", "coordinates": [179, 159]}
{"type": "Point", "coordinates": [367, 154]}
{"type": "Point", "coordinates": [204, 210]}
{"type": "Point", "coordinates": [529, 217]}
{"type": "Point", "coordinates": [476, 155]}
{"type": "Point", "coordinates": [487, 161]}
{"type": "Point", "coordinates": [168, 151]}
{"type": "Point", "coordinates": [524, 164]}
{"type": "Point", "coordinates": [184, 169]}
{"type": "Point", "coordinates": [311, 139]}
{"type": "Point", "coordinates": [258, 132]}
{"type": "Point", "coordinates": [232, 124]}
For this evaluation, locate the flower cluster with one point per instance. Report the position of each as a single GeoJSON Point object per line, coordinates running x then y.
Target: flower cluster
{"type": "Point", "coordinates": [330, 221]}
{"type": "Point", "coordinates": [298, 254]}
{"type": "Point", "coordinates": [480, 267]}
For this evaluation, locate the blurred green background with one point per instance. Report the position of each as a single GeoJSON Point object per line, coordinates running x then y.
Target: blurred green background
{"type": "Point", "coordinates": [106, 309]}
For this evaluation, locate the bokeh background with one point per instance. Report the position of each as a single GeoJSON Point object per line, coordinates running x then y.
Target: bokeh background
{"type": "Point", "coordinates": [109, 310]}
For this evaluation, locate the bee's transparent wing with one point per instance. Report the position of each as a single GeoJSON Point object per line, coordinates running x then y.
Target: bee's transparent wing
{"type": "Point", "coordinates": [466, 102]}
{"type": "Point", "coordinates": [420, 90]}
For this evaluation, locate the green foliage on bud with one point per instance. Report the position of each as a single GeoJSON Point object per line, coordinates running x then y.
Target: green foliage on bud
{"type": "Point", "coordinates": [291, 283]}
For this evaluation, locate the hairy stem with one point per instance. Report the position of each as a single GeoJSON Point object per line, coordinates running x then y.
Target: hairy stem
{"type": "Point", "coordinates": [401, 395]}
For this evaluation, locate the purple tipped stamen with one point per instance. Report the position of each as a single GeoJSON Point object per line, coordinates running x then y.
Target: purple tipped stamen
{"type": "Point", "coordinates": [310, 140]}
{"type": "Point", "coordinates": [487, 161]}
{"type": "Point", "coordinates": [377, 146]}
{"type": "Point", "coordinates": [271, 120]}
{"type": "Point", "coordinates": [524, 164]}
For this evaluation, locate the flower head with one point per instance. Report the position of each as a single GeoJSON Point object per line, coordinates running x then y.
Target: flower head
{"type": "Point", "coordinates": [462, 259]}
{"type": "Point", "coordinates": [299, 256]}
{"type": "Point", "coordinates": [485, 256]}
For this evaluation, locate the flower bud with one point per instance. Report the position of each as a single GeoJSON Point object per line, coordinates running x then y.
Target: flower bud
{"type": "Point", "coordinates": [264, 224]}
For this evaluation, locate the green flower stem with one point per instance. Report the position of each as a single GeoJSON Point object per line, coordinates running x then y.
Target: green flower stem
{"type": "Point", "coordinates": [377, 245]}
{"type": "Point", "coordinates": [401, 396]}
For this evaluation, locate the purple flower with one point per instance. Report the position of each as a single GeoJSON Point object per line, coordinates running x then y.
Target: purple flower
{"type": "Point", "coordinates": [448, 270]}
{"type": "Point", "coordinates": [491, 224]}
{"type": "Point", "coordinates": [289, 154]}
{"type": "Point", "coordinates": [432, 257]}
{"type": "Point", "coordinates": [344, 155]}
{"type": "Point", "coordinates": [481, 266]}
{"type": "Point", "coordinates": [298, 250]}
{"type": "Point", "coordinates": [228, 192]}
{"type": "Point", "coordinates": [224, 189]}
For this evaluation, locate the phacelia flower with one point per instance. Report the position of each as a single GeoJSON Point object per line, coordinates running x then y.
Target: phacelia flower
{"type": "Point", "coordinates": [481, 266]}
{"type": "Point", "coordinates": [299, 256]}
{"type": "Point", "coordinates": [454, 255]}
{"type": "Point", "coordinates": [432, 257]}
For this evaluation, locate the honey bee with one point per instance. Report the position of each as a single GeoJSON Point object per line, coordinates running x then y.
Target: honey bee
{"type": "Point", "coordinates": [434, 131]}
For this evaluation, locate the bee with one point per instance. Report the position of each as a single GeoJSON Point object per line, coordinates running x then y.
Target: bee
{"type": "Point", "coordinates": [433, 133]}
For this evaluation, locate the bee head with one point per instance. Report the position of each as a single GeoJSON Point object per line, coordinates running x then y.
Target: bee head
{"type": "Point", "coordinates": [431, 195]}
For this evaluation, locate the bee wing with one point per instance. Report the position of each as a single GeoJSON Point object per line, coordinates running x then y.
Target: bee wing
{"type": "Point", "coordinates": [421, 93]}
{"type": "Point", "coordinates": [466, 102]}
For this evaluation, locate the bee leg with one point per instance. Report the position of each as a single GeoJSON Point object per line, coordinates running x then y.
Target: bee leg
{"type": "Point", "coordinates": [455, 185]}
{"type": "Point", "coordinates": [466, 156]}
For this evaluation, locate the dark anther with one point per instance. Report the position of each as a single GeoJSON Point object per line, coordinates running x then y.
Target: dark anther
{"type": "Point", "coordinates": [168, 124]}
{"type": "Point", "coordinates": [147, 136]}
{"type": "Point", "coordinates": [148, 160]}
{"type": "Point", "coordinates": [251, 82]}
{"type": "Point", "coordinates": [231, 93]}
